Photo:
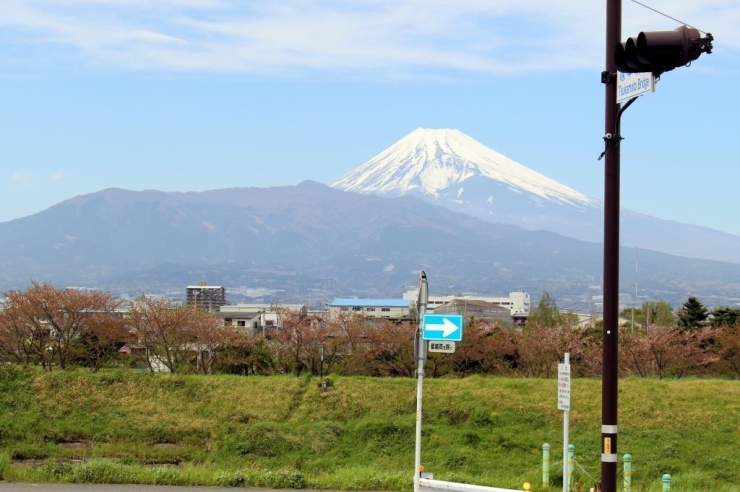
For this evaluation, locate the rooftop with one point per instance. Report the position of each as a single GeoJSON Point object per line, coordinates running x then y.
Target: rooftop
{"type": "Point", "coordinates": [396, 303]}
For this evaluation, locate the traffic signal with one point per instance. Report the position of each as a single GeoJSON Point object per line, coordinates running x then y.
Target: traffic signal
{"type": "Point", "coordinates": [661, 51]}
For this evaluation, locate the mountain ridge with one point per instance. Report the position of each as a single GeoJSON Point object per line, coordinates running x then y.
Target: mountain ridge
{"type": "Point", "coordinates": [312, 241]}
{"type": "Point", "coordinates": [449, 168]}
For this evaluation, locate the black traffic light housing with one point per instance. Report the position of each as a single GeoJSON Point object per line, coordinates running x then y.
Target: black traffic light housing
{"type": "Point", "coordinates": [661, 51]}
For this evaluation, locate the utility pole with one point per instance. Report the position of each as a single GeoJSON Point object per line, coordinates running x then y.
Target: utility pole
{"type": "Point", "coordinates": [652, 53]}
{"type": "Point", "coordinates": [609, 388]}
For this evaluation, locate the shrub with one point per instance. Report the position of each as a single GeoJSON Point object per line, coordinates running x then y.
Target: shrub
{"type": "Point", "coordinates": [166, 475]}
{"type": "Point", "coordinates": [284, 479]}
{"type": "Point", "coordinates": [56, 471]}
{"type": "Point", "coordinates": [231, 479]}
{"type": "Point", "coordinates": [5, 463]}
{"type": "Point", "coordinates": [102, 471]}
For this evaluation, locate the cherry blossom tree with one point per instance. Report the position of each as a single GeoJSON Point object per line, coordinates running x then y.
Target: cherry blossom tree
{"type": "Point", "coordinates": [44, 324]}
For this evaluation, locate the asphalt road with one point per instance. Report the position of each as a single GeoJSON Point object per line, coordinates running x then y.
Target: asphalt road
{"type": "Point", "coordinates": [72, 487]}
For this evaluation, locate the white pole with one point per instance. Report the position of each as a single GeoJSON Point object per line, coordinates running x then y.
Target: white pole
{"type": "Point", "coordinates": [566, 432]}
{"type": "Point", "coordinates": [421, 355]}
{"type": "Point", "coordinates": [419, 379]}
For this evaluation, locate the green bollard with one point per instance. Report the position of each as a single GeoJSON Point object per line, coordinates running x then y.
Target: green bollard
{"type": "Point", "coordinates": [545, 465]}
{"type": "Point", "coordinates": [571, 465]}
{"type": "Point", "coordinates": [666, 482]}
{"type": "Point", "coordinates": [627, 463]}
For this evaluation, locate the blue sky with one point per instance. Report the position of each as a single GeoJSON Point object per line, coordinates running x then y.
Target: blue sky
{"type": "Point", "coordinates": [190, 95]}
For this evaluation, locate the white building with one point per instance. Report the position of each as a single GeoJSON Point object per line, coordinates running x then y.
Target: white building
{"type": "Point", "coordinates": [254, 318]}
{"type": "Point", "coordinates": [518, 303]}
{"type": "Point", "coordinates": [373, 308]}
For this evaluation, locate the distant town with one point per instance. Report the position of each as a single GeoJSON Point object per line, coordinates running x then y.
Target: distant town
{"type": "Point", "coordinates": [514, 308]}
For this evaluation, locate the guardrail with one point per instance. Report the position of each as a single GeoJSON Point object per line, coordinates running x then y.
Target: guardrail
{"type": "Point", "coordinates": [428, 484]}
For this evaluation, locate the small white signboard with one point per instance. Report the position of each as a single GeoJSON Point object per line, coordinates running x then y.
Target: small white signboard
{"type": "Point", "coordinates": [446, 347]}
{"type": "Point", "coordinates": [564, 387]}
{"type": "Point", "coordinates": [631, 85]}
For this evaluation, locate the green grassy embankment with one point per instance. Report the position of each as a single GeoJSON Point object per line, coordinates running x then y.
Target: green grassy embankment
{"type": "Point", "coordinates": [126, 427]}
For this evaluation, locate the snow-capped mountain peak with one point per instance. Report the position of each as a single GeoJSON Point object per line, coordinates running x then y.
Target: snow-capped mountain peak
{"type": "Point", "coordinates": [431, 160]}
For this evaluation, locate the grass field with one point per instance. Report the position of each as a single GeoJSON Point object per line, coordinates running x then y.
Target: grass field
{"type": "Point", "coordinates": [284, 432]}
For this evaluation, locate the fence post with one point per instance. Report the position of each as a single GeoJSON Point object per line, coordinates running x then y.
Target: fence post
{"type": "Point", "coordinates": [666, 482]}
{"type": "Point", "coordinates": [571, 465]}
{"type": "Point", "coordinates": [627, 463]}
{"type": "Point", "coordinates": [545, 465]}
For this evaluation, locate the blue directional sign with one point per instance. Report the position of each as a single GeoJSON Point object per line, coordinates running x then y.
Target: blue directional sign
{"type": "Point", "coordinates": [442, 327]}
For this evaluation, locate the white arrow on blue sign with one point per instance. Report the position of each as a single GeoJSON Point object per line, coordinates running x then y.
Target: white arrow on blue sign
{"type": "Point", "coordinates": [442, 327]}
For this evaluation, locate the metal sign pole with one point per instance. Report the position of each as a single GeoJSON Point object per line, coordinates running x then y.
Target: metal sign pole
{"type": "Point", "coordinates": [420, 351]}
{"type": "Point", "coordinates": [566, 433]}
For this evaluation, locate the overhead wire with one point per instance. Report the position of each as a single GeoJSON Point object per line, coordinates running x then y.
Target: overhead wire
{"type": "Point", "coordinates": [668, 16]}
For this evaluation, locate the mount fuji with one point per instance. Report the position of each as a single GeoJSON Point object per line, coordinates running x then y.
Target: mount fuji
{"type": "Point", "coordinates": [450, 168]}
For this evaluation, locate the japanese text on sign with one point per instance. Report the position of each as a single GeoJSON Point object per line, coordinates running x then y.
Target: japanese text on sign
{"type": "Point", "coordinates": [446, 347]}
{"type": "Point", "coordinates": [564, 387]}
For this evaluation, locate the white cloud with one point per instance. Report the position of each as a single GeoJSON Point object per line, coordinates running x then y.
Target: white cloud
{"type": "Point", "coordinates": [22, 180]}
{"type": "Point", "coordinates": [406, 38]}
{"type": "Point", "coordinates": [58, 175]}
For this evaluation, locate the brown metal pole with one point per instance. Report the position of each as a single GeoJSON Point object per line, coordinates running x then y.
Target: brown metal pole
{"type": "Point", "coordinates": [610, 373]}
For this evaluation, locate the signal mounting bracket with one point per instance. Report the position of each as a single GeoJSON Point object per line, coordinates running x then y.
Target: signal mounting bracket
{"type": "Point", "coordinates": [617, 137]}
{"type": "Point", "coordinates": [607, 77]}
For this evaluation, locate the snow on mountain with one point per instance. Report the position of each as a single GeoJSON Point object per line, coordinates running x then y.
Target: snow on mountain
{"type": "Point", "coordinates": [431, 160]}
{"type": "Point", "coordinates": [451, 169]}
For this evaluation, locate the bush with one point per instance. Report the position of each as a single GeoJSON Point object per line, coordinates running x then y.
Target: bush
{"type": "Point", "coordinates": [166, 475]}
{"type": "Point", "coordinates": [231, 479]}
{"type": "Point", "coordinates": [284, 479]}
{"type": "Point", "coordinates": [5, 463]}
{"type": "Point", "coordinates": [102, 471]}
{"type": "Point", "coordinates": [56, 471]}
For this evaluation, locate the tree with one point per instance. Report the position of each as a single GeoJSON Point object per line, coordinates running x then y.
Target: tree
{"type": "Point", "coordinates": [487, 348]}
{"type": "Point", "coordinates": [207, 338]}
{"type": "Point", "coordinates": [663, 351]}
{"type": "Point", "coordinates": [390, 348]}
{"type": "Point", "coordinates": [650, 313]}
{"type": "Point", "coordinates": [350, 336]}
{"type": "Point", "coordinates": [99, 345]}
{"type": "Point", "coordinates": [547, 314]}
{"type": "Point", "coordinates": [287, 341]}
{"type": "Point", "coordinates": [246, 355]}
{"type": "Point", "coordinates": [23, 334]}
{"type": "Point", "coordinates": [542, 348]}
{"type": "Point", "coordinates": [317, 346]}
{"type": "Point", "coordinates": [157, 325]}
{"type": "Point", "coordinates": [652, 352]}
{"type": "Point", "coordinates": [725, 316]}
{"type": "Point", "coordinates": [46, 325]}
{"type": "Point", "coordinates": [692, 315]}
{"type": "Point", "coordinates": [659, 313]}
{"type": "Point", "coordinates": [635, 317]}
{"type": "Point", "coordinates": [728, 341]}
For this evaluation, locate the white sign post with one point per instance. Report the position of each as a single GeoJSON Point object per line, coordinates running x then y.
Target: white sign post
{"type": "Point", "coordinates": [631, 85]}
{"type": "Point", "coordinates": [564, 404]}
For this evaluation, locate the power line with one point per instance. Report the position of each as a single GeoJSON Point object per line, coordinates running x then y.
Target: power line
{"type": "Point", "coordinates": [668, 16]}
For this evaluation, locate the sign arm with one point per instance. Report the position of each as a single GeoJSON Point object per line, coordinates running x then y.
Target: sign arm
{"type": "Point", "coordinates": [617, 138]}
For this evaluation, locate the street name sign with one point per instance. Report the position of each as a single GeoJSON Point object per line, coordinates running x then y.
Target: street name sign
{"type": "Point", "coordinates": [631, 85]}
{"type": "Point", "coordinates": [445, 347]}
{"type": "Point", "coordinates": [442, 327]}
{"type": "Point", "coordinates": [564, 387]}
